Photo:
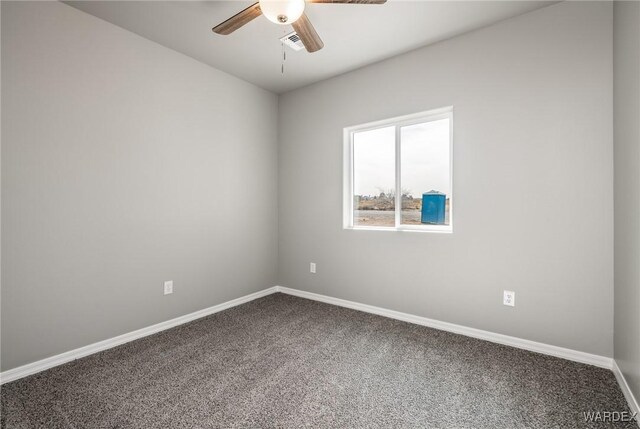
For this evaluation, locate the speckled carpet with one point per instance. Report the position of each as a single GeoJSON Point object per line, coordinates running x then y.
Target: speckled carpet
{"type": "Point", "coordinates": [287, 362]}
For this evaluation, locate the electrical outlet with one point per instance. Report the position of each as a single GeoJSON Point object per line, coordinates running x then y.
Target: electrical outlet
{"type": "Point", "coordinates": [509, 298]}
{"type": "Point", "coordinates": [168, 287]}
{"type": "Point", "coordinates": [312, 267]}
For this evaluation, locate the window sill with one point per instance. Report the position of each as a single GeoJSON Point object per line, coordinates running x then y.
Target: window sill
{"type": "Point", "coordinates": [448, 229]}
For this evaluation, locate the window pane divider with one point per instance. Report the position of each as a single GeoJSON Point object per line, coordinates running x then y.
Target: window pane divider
{"type": "Point", "coordinates": [398, 208]}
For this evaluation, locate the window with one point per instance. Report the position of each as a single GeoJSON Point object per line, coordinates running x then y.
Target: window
{"type": "Point", "coordinates": [398, 173]}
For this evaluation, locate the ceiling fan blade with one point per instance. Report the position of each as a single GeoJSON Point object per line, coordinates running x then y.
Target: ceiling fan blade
{"type": "Point", "coordinates": [238, 20]}
{"type": "Point", "coordinates": [307, 34]}
{"type": "Point", "coordinates": [349, 1]}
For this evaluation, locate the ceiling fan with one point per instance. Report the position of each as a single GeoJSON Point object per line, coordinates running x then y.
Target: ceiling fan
{"type": "Point", "coordinates": [284, 12]}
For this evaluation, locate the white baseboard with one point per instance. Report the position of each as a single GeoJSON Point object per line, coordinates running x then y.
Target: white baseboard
{"type": "Point", "coordinates": [582, 357]}
{"type": "Point", "coordinates": [50, 362]}
{"type": "Point", "coordinates": [626, 390]}
{"type": "Point", "coordinates": [561, 352]}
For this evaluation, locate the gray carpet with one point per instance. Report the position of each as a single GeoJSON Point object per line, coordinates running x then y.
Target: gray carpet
{"type": "Point", "coordinates": [287, 362]}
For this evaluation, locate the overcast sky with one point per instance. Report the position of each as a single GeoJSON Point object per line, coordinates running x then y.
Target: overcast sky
{"type": "Point", "coordinates": [425, 159]}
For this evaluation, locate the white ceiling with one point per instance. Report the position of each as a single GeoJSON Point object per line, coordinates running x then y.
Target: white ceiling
{"type": "Point", "coordinates": [354, 35]}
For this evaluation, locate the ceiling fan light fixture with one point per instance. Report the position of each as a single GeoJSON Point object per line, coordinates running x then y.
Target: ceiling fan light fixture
{"type": "Point", "coordinates": [282, 12]}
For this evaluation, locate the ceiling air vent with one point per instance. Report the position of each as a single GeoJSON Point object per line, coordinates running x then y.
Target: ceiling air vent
{"type": "Point", "coordinates": [293, 41]}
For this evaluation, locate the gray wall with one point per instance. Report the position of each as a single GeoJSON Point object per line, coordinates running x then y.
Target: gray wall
{"type": "Point", "coordinates": [533, 181]}
{"type": "Point", "coordinates": [124, 164]}
{"type": "Point", "coordinates": [626, 38]}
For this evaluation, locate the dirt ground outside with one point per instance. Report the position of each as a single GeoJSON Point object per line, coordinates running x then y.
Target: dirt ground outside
{"type": "Point", "coordinates": [387, 217]}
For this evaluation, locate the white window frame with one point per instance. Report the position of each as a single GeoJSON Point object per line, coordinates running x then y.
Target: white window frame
{"type": "Point", "coordinates": [398, 123]}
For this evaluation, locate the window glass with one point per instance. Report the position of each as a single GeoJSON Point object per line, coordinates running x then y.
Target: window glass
{"type": "Point", "coordinates": [425, 177]}
{"type": "Point", "coordinates": [374, 177]}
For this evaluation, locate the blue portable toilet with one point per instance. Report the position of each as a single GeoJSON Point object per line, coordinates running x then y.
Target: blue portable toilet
{"type": "Point", "coordinates": [433, 205]}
